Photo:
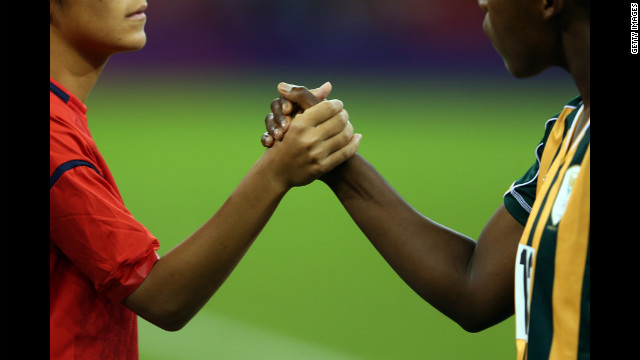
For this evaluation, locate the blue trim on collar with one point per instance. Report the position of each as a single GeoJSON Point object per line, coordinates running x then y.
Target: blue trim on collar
{"type": "Point", "coordinates": [59, 92]}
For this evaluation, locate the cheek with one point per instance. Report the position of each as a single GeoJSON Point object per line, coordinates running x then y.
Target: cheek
{"type": "Point", "coordinates": [130, 34]}
{"type": "Point", "coordinates": [117, 36]}
{"type": "Point", "coordinates": [501, 43]}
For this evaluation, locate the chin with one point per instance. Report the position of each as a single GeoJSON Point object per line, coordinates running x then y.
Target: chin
{"type": "Point", "coordinates": [134, 43]}
{"type": "Point", "coordinates": [523, 72]}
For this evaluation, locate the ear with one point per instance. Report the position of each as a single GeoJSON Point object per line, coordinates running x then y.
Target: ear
{"type": "Point", "coordinates": [551, 8]}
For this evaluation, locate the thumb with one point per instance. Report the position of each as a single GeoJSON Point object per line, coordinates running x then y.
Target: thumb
{"type": "Point", "coordinates": [323, 91]}
{"type": "Point", "coordinates": [298, 95]}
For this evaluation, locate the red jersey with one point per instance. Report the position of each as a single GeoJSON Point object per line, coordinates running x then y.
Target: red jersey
{"type": "Point", "coordinates": [99, 253]}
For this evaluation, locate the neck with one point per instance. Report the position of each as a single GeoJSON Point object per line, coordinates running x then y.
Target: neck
{"type": "Point", "coordinates": [77, 72]}
{"type": "Point", "coordinates": [576, 43]}
{"type": "Point", "coordinates": [578, 59]}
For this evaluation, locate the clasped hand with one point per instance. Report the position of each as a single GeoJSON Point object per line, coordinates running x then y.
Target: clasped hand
{"type": "Point", "coordinates": [320, 138]}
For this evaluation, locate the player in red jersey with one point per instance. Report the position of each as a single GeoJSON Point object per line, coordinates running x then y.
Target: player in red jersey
{"type": "Point", "coordinates": [533, 256]}
{"type": "Point", "coordinates": [104, 269]}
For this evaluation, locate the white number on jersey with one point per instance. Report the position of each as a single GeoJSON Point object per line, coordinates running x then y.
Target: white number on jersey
{"type": "Point", "coordinates": [524, 262]}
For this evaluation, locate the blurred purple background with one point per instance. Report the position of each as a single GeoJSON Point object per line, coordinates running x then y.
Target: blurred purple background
{"type": "Point", "coordinates": [351, 35]}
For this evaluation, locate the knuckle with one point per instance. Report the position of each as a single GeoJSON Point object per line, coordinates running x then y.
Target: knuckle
{"type": "Point", "coordinates": [285, 122]}
{"type": "Point", "coordinates": [344, 117]}
{"type": "Point", "coordinates": [315, 155]}
{"type": "Point", "coordinates": [266, 140]}
{"type": "Point", "coordinates": [296, 128]}
{"type": "Point", "coordinates": [275, 103]}
{"type": "Point", "coordinates": [349, 129]}
{"type": "Point", "coordinates": [337, 105]}
{"type": "Point", "coordinates": [268, 120]}
{"type": "Point", "coordinates": [347, 135]}
{"type": "Point", "coordinates": [341, 138]}
{"type": "Point", "coordinates": [277, 106]}
{"type": "Point", "coordinates": [308, 144]}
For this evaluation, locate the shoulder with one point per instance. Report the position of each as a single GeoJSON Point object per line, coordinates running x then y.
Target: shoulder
{"type": "Point", "coordinates": [520, 196]}
{"type": "Point", "coordinates": [68, 138]}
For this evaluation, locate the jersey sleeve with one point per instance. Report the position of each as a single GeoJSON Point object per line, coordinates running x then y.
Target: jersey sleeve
{"type": "Point", "coordinates": [92, 228]}
{"type": "Point", "coordinates": [522, 193]}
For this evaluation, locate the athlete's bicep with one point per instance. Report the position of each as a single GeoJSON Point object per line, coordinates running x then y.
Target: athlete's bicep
{"type": "Point", "coordinates": [492, 270]}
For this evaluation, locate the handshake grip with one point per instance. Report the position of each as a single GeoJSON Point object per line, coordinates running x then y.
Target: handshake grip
{"type": "Point", "coordinates": [320, 139]}
{"type": "Point", "coordinates": [293, 100]}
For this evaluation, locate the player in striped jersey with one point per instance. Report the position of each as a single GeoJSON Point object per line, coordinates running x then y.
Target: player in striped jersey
{"type": "Point", "coordinates": [552, 272]}
{"type": "Point", "coordinates": [539, 236]}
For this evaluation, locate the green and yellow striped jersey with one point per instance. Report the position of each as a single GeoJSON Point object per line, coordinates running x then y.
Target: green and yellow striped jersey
{"type": "Point", "coordinates": [552, 201]}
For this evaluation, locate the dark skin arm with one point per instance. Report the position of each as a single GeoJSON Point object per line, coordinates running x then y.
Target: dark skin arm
{"type": "Point", "coordinates": [469, 281]}
{"type": "Point", "coordinates": [185, 278]}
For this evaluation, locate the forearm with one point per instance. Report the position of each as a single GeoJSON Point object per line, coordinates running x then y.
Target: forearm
{"type": "Point", "coordinates": [469, 281]}
{"type": "Point", "coordinates": [433, 260]}
{"type": "Point", "coordinates": [185, 278]}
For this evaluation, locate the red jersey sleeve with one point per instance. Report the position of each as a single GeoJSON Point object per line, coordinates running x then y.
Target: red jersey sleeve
{"type": "Point", "coordinates": [89, 223]}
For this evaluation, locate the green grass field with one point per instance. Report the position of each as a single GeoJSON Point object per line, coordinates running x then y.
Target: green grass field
{"type": "Point", "coordinates": [312, 286]}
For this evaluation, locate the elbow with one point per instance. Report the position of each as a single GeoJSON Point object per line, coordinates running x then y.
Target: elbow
{"type": "Point", "coordinates": [477, 313]}
{"type": "Point", "coordinates": [476, 321]}
{"type": "Point", "coordinates": [471, 316]}
{"type": "Point", "coordinates": [168, 321]}
{"type": "Point", "coordinates": [172, 326]}
{"type": "Point", "coordinates": [472, 326]}
{"type": "Point", "coordinates": [467, 319]}
{"type": "Point", "coordinates": [166, 314]}
{"type": "Point", "coordinates": [168, 318]}
{"type": "Point", "coordinates": [171, 323]}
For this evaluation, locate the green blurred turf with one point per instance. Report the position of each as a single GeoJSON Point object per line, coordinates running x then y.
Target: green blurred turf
{"type": "Point", "coordinates": [312, 287]}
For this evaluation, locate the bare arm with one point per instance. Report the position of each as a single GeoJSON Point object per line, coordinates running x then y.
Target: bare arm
{"type": "Point", "coordinates": [470, 282]}
{"type": "Point", "coordinates": [184, 279]}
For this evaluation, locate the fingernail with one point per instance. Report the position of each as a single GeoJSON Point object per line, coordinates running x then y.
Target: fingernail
{"type": "Point", "coordinates": [284, 87]}
{"type": "Point", "coordinates": [277, 134]}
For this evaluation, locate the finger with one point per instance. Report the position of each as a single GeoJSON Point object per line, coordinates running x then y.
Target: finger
{"type": "Point", "coordinates": [285, 122]}
{"type": "Point", "coordinates": [341, 155]}
{"type": "Point", "coordinates": [267, 140]}
{"type": "Point", "coordinates": [323, 91]}
{"type": "Point", "coordinates": [278, 111]}
{"type": "Point", "coordinates": [298, 94]}
{"type": "Point", "coordinates": [273, 128]}
{"type": "Point", "coordinates": [279, 122]}
{"type": "Point", "coordinates": [287, 106]}
{"type": "Point", "coordinates": [338, 140]}
{"type": "Point", "coordinates": [335, 125]}
{"type": "Point", "coordinates": [322, 112]}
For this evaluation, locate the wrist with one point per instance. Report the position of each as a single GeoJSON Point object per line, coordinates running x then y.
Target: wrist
{"type": "Point", "coordinates": [337, 174]}
{"type": "Point", "coordinates": [273, 178]}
